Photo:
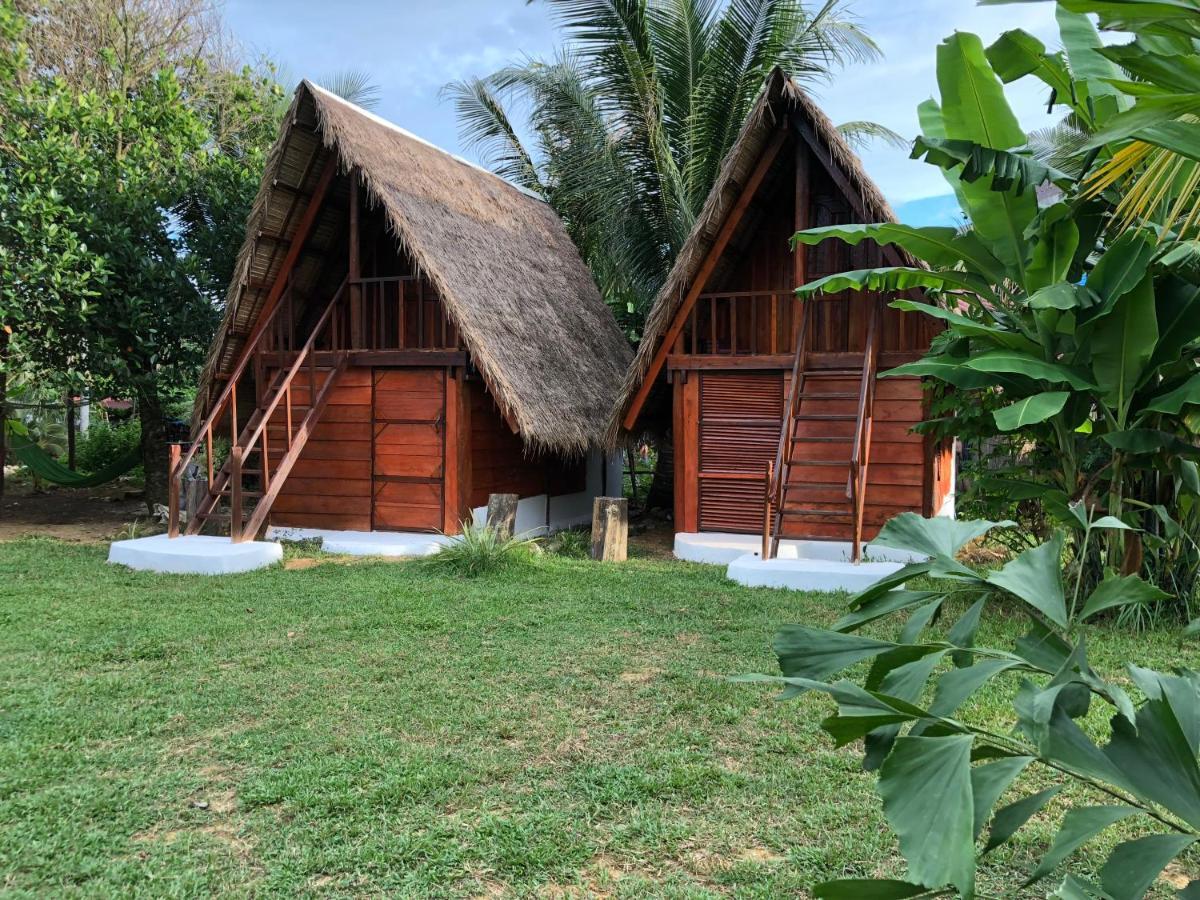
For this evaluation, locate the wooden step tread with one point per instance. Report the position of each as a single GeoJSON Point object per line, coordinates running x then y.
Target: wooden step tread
{"type": "Point", "coordinates": [826, 417]}
{"type": "Point", "coordinates": [829, 395]}
{"type": "Point", "coordinates": [821, 513]}
{"type": "Point", "coordinates": [819, 462]}
{"type": "Point", "coordinates": [825, 439]}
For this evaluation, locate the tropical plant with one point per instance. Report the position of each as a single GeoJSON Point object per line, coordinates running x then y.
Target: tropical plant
{"type": "Point", "coordinates": [481, 550]}
{"type": "Point", "coordinates": [941, 775]}
{"type": "Point", "coordinates": [1142, 115]}
{"type": "Point", "coordinates": [1079, 344]}
{"type": "Point", "coordinates": [632, 120]}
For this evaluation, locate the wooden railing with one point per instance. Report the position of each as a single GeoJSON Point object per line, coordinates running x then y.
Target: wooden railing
{"type": "Point", "coordinates": [254, 437]}
{"type": "Point", "coordinates": [738, 323]}
{"type": "Point", "coordinates": [860, 457]}
{"type": "Point", "coordinates": [783, 454]}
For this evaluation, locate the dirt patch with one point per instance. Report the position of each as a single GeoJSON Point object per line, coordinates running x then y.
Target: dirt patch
{"type": "Point", "coordinates": [302, 562]}
{"type": "Point", "coordinates": [652, 539]}
{"type": "Point", "coordinates": [86, 515]}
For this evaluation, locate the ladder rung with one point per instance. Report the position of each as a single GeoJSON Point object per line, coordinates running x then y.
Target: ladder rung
{"type": "Point", "coordinates": [826, 513]}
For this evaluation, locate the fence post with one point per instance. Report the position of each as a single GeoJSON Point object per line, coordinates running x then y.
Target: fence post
{"type": "Point", "coordinates": [502, 513]}
{"type": "Point", "coordinates": [766, 542]}
{"type": "Point", "coordinates": [173, 489]}
{"type": "Point", "coordinates": [610, 529]}
{"type": "Point", "coordinates": [235, 493]}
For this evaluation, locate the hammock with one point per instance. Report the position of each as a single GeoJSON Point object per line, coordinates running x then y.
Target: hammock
{"type": "Point", "coordinates": [49, 468]}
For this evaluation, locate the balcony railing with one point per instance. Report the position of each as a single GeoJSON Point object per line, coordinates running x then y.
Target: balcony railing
{"type": "Point", "coordinates": [741, 323]}
{"type": "Point", "coordinates": [397, 312]}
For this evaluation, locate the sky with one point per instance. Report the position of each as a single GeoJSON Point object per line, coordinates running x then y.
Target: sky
{"type": "Point", "coordinates": [411, 49]}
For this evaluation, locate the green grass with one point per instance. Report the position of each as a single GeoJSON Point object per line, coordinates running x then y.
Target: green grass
{"type": "Point", "coordinates": [563, 729]}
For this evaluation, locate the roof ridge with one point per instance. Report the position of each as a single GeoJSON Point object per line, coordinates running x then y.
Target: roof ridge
{"type": "Point", "coordinates": [380, 120]}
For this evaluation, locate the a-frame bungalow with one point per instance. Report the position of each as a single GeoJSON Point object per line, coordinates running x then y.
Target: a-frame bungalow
{"type": "Point", "coordinates": [405, 334]}
{"type": "Point", "coordinates": [740, 375]}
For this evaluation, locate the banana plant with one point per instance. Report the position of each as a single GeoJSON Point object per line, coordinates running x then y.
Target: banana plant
{"type": "Point", "coordinates": [1089, 344]}
{"type": "Point", "coordinates": [943, 774]}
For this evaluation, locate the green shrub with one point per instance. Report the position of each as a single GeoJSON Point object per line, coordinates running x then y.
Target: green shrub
{"type": "Point", "coordinates": [102, 445]}
{"type": "Point", "coordinates": [481, 550]}
{"type": "Point", "coordinates": [573, 542]}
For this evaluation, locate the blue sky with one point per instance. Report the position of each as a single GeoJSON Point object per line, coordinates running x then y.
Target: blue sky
{"type": "Point", "coordinates": [412, 48]}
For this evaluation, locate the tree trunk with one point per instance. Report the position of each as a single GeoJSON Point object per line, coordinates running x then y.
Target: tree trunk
{"type": "Point", "coordinates": [154, 446]}
{"type": "Point", "coordinates": [3, 404]}
{"type": "Point", "coordinates": [662, 487]}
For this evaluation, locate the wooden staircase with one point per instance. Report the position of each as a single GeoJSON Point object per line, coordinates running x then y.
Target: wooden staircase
{"type": "Point", "coordinates": [264, 450]}
{"type": "Point", "coordinates": [819, 478]}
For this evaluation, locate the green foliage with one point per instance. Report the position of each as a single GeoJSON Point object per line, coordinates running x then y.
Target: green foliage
{"type": "Point", "coordinates": [632, 119]}
{"type": "Point", "coordinates": [481, 550]}
{"type": "Point", "coordinates": [123, 197]}
{"type": "Point", "coordinates": [942, 773]}
{"type": "Point", "coordinates": [575, 543]}
{"type": "Point", "coordinates": [102, 445]}
{"type": "Point", "coordinates": [1079, 344]}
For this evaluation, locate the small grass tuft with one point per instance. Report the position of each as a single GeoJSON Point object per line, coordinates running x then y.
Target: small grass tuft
{"type": "Point", "coordinates": [481, 550]}
{"type": "Point", "coordinates": [575, 543]}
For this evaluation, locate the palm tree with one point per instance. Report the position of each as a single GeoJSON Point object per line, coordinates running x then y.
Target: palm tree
{"type": "Point", "coordinates": [632, 118]}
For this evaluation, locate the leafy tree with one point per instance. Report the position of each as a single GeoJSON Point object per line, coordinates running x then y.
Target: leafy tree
{"type": "Point", "coordinates": [632, 119]}
{"type": "Point", "coordinates": [166, 155]}
{"type": "Point", "coordinates": [941, 775]}
{"type": "Point", "coordinates": [48, 276]}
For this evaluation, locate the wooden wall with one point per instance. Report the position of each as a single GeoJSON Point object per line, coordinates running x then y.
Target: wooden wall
{"type": "Point", "coordinates": [330, 486]}
{"type": "Point", "coordinates": [499, 463]}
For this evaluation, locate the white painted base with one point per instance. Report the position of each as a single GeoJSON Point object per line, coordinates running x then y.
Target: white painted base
{"type": "Point", "coordinates": [808, 574]}
{"type": "Point", "coordinates": [194, 554]}
{"type": "Point", "coordinates": [720, 548]}
{"type": "Point", "coordinates": [367, 543]}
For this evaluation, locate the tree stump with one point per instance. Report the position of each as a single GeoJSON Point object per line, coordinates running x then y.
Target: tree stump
{"type": "Point", "coordinates": [610, 529]}
{"type": "Point", "coordinates": [502, 513]}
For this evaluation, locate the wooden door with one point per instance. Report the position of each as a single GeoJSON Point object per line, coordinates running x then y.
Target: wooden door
{"type": "Point", "coordinates": [408, 449]}
{"type": "Point", "coordinates": [740, 419]}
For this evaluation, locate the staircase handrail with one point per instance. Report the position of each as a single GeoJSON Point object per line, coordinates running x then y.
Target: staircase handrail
{"type": "Point", "coordinates": [860, 456]}
{"type": "Point", "coordinates": [775, 493]}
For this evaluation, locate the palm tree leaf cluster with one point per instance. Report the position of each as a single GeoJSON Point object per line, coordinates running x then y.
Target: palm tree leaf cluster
{"type": "Point", "coordinates": [631, 119]}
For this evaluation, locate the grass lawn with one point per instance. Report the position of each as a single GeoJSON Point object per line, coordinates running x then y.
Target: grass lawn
{"type": "Point", "coordinates": [370, 728]}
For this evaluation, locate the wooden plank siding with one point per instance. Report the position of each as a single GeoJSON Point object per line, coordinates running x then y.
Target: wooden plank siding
{"type": "Point", "coordinates": [731, 375]}
{"type": "Point", "coordinates": [330, 486]}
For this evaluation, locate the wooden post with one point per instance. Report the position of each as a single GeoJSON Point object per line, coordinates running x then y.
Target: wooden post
{"type": "Point", "coordinates": [235, 494]}
{"type": "Point", "coordinates": [610, 529]}
{"type": "Point", "coordinates": [173, 489]}
{"type": "Point", "coordinates": [70, 431]}
{"type": "Point", "coordinates": [354, 270]}
{"type": "Point", "coordinates": [766, 542]}
{"type": "Point", "coordinates": [502, 513]}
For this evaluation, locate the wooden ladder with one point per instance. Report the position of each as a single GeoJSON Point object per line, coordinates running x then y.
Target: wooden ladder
{"type": "Point", "coordinates": [250, 453]}
{"type": "Point", "coordinates": [812, 406]}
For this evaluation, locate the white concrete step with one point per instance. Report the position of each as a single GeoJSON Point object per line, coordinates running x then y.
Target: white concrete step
{"type": "Point", "coordinates": [194, 554]}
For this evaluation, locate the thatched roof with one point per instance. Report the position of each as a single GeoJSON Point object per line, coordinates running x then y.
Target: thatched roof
{"type": "Point", "coordinates": [780, 96]}
{"type": "Point", "coordinates": [512, 282]}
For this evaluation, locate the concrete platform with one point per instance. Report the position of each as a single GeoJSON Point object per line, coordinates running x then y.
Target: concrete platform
{"type": "Point", "coordinates": [808, 574]}
{"type": "Point", "coordinates": [195, 554]}
{"type": "Point", "coordinates": [367, 543]}
{"type": "Point", "coordinates": [721, 548]}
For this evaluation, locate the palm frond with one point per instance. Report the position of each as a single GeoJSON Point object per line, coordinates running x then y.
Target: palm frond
{"type": "Point", "coordinates": [861, 133]}
{"type": "Point", "coordinates": [485, 128]}
{"type": "Point", "coordinates": [354, 85]}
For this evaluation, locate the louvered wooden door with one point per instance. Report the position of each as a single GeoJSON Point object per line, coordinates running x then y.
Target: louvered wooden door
{"type": "Point", "coordinates": [740, 419]}
{"type": "Point", "coordinates": [409, 449]}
